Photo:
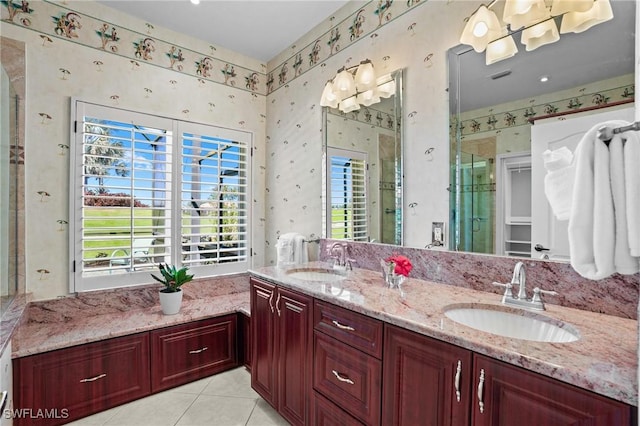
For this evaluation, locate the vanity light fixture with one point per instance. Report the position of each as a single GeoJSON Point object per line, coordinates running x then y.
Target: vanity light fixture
{"type": "Point", "coordinates": [355, 86]}
{"type": "Point", "coordinates": [484, 31]}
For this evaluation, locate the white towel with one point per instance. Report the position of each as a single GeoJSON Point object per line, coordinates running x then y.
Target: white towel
{"type": "Point", "coordinates": [558, 182]}
{"type": "Point", "coordinates": [595, 251]}
{"type": "Point", "coordinates": [292, 249]}
{"type": "Point", "coordinates": [632, 187]}
{"type": "Point", "coordinates": [625, 263]}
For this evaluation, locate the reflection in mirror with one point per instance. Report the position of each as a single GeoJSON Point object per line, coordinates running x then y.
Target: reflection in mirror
{"type": "Point", "coordinates": [362, 174]}
{"type": "Point", "coordinates": [11, 170]}
{"type": "Point", "coordinates": [499, 114]}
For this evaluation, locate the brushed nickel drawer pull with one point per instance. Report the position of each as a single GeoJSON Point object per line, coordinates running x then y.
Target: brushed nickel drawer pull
{"type": "Point", "coordinates": [343, 327]}
{"type": "Point", "coordinates": [93, 379]}
{"type": "Point", "coordinates": [457, 379]}
{"type": "Point", "coordinates": [342, 379]}
{"type": "Point", "coordinates": [481, 391]}
{"type": "Point", "coordinates": [197, 351]}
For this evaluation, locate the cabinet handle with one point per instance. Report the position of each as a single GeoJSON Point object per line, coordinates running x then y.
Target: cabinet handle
{"type": "Point", "coordinates": [343, 327]}
{"type": "Point", "coordinates": [197, 351]}
{"type": "Point", "coordinates": [93, 379]}
{"type": "Point", "coordinates": [457, 379]}
{"type": "Point", "coordinates": [481, 391]}
{"type": "Point", "coordinates": [278, 304]}
{"type": "Point", "coordinates": [271, 301]}
{"type": "Point", "coordinates": [342, 379]}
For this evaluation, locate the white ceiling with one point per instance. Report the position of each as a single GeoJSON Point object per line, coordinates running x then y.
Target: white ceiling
{"type": "Point", "coordinates": [259, 29]}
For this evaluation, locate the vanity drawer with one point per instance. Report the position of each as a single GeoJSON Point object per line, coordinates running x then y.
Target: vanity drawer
{"type": "Point", "coordinates": [184, 353]}
{"type": "Point", "coordinates": [326, 413]}
{"type": "Point", "coordinates": [349, 377]}
{"type": "Point", "coordinates": [71, 383]}
{"type": "Point", "coordinates": [354, 329]}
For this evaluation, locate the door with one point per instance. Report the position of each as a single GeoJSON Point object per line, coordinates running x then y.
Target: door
{"type": "Point", "coordinates": [263, 371]}
{"type": "Point", "coordinates": [294, 333]}
{"type": "Point", "coordinates": [553, 133]}
{"type": "Point", "coordinates": [425, 381]}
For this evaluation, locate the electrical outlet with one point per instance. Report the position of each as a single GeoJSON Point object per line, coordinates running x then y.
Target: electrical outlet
{"type": "Point", "coordinates": [437, 233]}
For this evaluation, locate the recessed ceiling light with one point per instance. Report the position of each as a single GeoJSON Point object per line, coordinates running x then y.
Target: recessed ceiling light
{"type": "Point", "coordinates": [544, 79]}
{"type": "Point", "coordinates": [195, 1]}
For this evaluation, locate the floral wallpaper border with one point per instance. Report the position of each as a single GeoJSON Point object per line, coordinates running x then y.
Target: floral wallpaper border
{"type": "Point", "coordinates": [57, 21]}
{"type": "Point", "coordinates": [60, 21]}
{"type": "Point", "coordinates": [496, 121]}
{"type": "Point", "coordinates": [368, 115]}
{"type": "Point", "coordinates": [355, 27]}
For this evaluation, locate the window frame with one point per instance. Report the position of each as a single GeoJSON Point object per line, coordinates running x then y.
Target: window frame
{"type": "Point", "coordinates": [78, 282]}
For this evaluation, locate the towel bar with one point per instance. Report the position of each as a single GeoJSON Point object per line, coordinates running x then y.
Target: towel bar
{"type": "Point", "coordinates": [606, 133]}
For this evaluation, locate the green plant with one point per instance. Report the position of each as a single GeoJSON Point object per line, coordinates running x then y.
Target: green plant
{"type": "Point", "coordinates": [172, 278]}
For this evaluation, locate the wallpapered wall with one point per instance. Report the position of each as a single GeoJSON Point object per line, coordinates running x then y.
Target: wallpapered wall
{"type": "Point", "coordinates": [411, 35]}
{"type": "Point", "coordinates": [67, 56]}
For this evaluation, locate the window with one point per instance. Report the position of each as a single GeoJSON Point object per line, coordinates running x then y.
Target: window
{"type": "Point", "coordinates": [348, 195]}
{"type": "Point", "coordinates": [148, 189]}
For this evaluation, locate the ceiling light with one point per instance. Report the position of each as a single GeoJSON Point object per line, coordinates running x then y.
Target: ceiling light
{"type": "Point", "coordinates": [195, 1]}
{"type": "Point", "coordinates": [482, 27]}
{"type": "Point", "coordinates": [540, 34]}
{"type": "Point", "coordinates": [577, 22]}
{"type": "Point", "coordinates": [544, 79]}
{"type": "Point", "coordinates": [483, 30]}
{"type": "Point", "coordinates": [355, 86]}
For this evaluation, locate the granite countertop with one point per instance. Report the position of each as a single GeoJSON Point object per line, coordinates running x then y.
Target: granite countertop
{"type": "Point", "coordinates": [94, 316]}
{"type": "Point", "coordinates": [603, 360]}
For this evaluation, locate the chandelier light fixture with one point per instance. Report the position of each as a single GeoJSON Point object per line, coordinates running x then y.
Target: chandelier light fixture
{"type": "Point", "coordinates": [485, 32]}
{"type": "Point", "coordinates": [355, 86]}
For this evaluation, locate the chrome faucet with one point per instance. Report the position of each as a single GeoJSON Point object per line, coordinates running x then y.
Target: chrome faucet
{"type": "Point", "coordinates": [520, 279]}
{"type": "Point", "coordinates": [338, 251]}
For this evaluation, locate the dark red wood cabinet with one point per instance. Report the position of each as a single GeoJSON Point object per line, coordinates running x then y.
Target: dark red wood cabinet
{"type": "Point", "coordinates": [281, 326]}
{"type": "Point", "coordinates": [184, 353]}
{"type": "Point", "coordinates": [426, 381]}
{"type": "Point", "coordinates": [508, 395]}
{"type": "Point", "coordinates": [63, 385]}
{"type": "Point", "coordinates": [347, 370]}
{"type": "Point", "coordinates": [244, 340]}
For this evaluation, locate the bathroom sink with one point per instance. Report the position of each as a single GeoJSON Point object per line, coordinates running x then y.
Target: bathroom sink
{"type": "Point", "coordinates": [324, 275]}
{"type": "Point", "coordinates": [513, 323]}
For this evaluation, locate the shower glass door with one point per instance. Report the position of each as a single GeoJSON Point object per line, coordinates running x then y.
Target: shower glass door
{"type": "Point", "coordinates": [477, 204]}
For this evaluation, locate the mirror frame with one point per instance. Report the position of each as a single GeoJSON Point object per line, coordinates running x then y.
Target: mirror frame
{"type": "Point", "coordinates": [398, 77]}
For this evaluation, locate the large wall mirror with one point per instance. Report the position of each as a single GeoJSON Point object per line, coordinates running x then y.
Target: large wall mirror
{"type": "Point", "coordinates": [362, 174]}
{"type": "Point", "coordinates": [504, 115]}
{"type": "Point", "coordinates": [12, 91]}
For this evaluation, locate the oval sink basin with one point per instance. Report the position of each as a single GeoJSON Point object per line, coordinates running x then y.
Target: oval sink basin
{"type": "Point", "coordinates": [513, 323]}
{"type": "Point", "coordinates": [316, 274]}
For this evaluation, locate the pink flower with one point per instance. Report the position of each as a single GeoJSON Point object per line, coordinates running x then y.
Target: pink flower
{"type": "Point", "coordinates": [403, 265]}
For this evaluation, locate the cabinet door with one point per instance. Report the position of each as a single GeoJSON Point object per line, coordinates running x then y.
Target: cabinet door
{"type": "Point", "coordinates": [244, 340]}
{"type": "Point", "coordinates": [185, 353]}
{"type": "Point", "coordinates": [295, 327]}
{"type": "Point", "coordinates": [348, 377]}
{"type": "Point", "coordinates": [68, 384]}
{"type": "Point", "coordinates": [509, 395]}
{"type": "Point", "coordinates": [263, 371]}
{"type": "Point", "coordinates": [426, 382]}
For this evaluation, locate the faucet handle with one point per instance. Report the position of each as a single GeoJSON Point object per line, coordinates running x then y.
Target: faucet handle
{"type": "Point", "coordinates": [537, 291]}
{"type": "Point", "coordinates": [349, 263]}
{"type": "Point", "coordinates": [508, 293]}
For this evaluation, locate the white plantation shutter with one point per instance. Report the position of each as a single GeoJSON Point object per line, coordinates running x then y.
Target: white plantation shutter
{"type": "Point", "coordinates": [147, 189]}
{"type": "Point", "coordinates": [347, 191]}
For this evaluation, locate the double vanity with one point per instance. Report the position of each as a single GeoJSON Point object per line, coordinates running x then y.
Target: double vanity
{"type": "Point", "coordinates": [334, 347]}
{"type": "Point", "coordinates": [339, 347]}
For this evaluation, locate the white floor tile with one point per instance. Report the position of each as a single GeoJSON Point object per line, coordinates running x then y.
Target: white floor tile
{"type": "Point", "coordinates": [219, 411]}
{"type": "Point", "coordinates": [231, 383]}
{"type": "Point", "coordinates": [156, 410]}
{"type": "Point", "coordinates": [224, 399]}
{"type": "Point", "coordinates": [265, 415]}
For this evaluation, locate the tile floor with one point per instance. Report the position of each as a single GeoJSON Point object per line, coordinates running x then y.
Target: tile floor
{"type": "Point", "coordinates": [225, 399]}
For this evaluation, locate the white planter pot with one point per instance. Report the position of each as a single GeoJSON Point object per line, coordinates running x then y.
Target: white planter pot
{"type": "Point", "coordinates": [171, 302]}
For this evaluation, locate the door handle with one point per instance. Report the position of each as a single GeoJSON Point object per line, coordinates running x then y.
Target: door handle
{"type": "Point", "coordinates": [540, 247]}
